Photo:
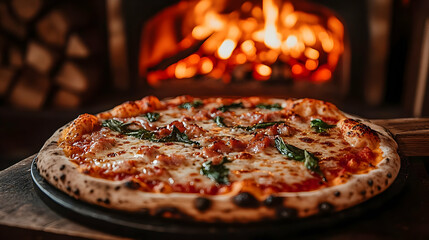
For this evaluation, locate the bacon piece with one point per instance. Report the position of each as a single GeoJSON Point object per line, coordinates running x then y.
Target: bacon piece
{"type": "Point", "coordinates": [237, 145]}
{"type": "Point", "coordinates": [149, 104]}
{"type": "Point", "coordinates": [202, 115]}
{"type": "Point", "coordinates": [259, 142]}
{"type": "Point", "coordinates": [148, 151]}
{"type": "Point", "coordinates": [103, 143]}
{"type": "Point", "coordinates": [193, 130]}
{"type": "Point", "coordinates": [244, 155]}
{"type": "Point", "coordinates": [216, 148]}
{"type": "Point", "coordinates": [171, 160]}
{"type": "Point", "coordinates": [178, 125]}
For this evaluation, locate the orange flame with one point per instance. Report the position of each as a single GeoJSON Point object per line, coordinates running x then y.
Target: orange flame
{"type": "Point", "coordinates": [259, 33]}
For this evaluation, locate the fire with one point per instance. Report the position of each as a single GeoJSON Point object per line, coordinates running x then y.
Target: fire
{"type": "Point", "coordinates": [257, 33]}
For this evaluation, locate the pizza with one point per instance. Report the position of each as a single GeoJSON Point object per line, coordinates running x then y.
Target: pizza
{"type": "Point", "coordinates": [221, 159]}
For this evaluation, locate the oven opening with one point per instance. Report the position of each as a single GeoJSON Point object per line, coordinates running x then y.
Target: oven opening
{"type": "Point", "coordinates": [267, 47]}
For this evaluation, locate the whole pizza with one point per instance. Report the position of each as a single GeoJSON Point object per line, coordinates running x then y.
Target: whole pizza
{"type": "Point", "coordinates": [221, 159]}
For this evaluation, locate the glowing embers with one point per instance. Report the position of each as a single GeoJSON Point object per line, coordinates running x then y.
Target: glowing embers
{"type": "Point", "coordinates": [218, 36]}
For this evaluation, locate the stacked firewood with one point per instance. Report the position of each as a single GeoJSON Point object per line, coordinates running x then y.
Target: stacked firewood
{"type": "Point", "coordinates": [50, 52]}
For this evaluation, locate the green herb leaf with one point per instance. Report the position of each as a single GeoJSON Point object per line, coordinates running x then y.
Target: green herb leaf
{"type": "Point", "coordinates": [115, 125]}
{"type": "Point", "coordinates": [189, 105]}
{"type": "Point", "coordinates": [218, 173]}
{"type": "Point", "coordinates": [219, 121]}
{"type": "Point", "coordinates": [274, 106]}
{"type": "Point", "coordinates": [123, 128]}
{"type": "Point", "coordinates": [310, 161]}
{"type": "Point", "coordinates": [258, 126]}
{"type": "Point", "coordinates": [290, 151]}
{"type": "Point", "coordinates": [225, 108]}
{"type": "Point", "coordinates": [177, 136]}
{"type": "Point", "coordinates": [143, 134]}
{"type": "Point", "coordinates": [320, 126]}
{"type": "Point", "coordinates": [152, 116]}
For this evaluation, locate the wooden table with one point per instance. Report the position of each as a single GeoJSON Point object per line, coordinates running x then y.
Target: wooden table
{"type": "Point", "coordinates": [24, 216]}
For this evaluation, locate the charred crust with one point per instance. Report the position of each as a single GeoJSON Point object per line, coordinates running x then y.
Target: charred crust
{"type": "Point", "coordinates": [91, 191]}
{"type": "Point", "coordinates": [324, 134]}
{"type": "Point", "coordinates": [202, 204]}
{"type": "Point", "coordinates": [273, 201]}
{"type": "Point", "coordinates": [387, 160]}
{"type": "Point", "coordinates": [386, 182]}
{"type": "Point", "coordinates": [370, 182]}
{"type": "Point", "coordinates": [117, 188]}
{"type": "Point", "coordinates": [76, 192]}
{"type": "Point", "coordinates": [337, 193]}
{"type": "Point", "coordinates": [378, 188]}
{"type": "Point", "coordinates": [62, 167]}
{"type": "Point", "coordinates": [55, 178]}
{"type": "Point", "coordinates": [68, 189]}
{"type": "Point", "coordinates": [63, 177]}
{"type": "Point", "coordinates": [106, 201]}
{"type": "Point", "coordinates": [245, 200]}
{"type": "Point", "coordinates": [363, 193]}
{"type": "Point", "coordinates": [132, 185]}
{"type": "Point", "coordinates": [325, 208]}
{"type": "Point", "coordinates": [286, 213]}
{"type": "Point", "coordinates": [389, 175]}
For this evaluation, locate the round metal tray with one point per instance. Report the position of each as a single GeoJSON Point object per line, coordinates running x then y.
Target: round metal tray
{"type": "Point", "coordinates": [138, 225]}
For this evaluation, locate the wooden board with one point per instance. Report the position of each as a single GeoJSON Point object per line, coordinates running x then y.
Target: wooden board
{"type": "Point", "coordinates": [411, 134]}
{"type": "Point", "coordinates": [24, 216]}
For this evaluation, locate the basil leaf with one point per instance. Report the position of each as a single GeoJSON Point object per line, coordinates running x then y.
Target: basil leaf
{"type": "Point", "coordinates": [123, 128]}
{"type": "Point", "coordinates": [320, 126]}
{"type": "Point", "coordinates": [152, 116]}
{"type": "Point", "coordinates": [274, 106]}
{"type": "Point", "coordinates": [225, 108]}
{"type": "Point", "coordinates": [218, 173]}
{"type": "Point", "coordinates": [310, 161]}
{"type": "Point", "coordinates": [143, 134]}
{"type": "Point", "coordinates": [177, 136]}
{"type": "Point", "coordinates": [258, 126]}
{"type": "Point", "coordinates": [219, 121]}
{"type": "Point", "coordinates": [290, 151]}
{"type": "Point", "coordinates": [116, 125]}
{"type": "Point", "coordinates": [189, 105]}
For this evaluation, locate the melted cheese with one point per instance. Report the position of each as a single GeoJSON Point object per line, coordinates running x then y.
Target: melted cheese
{"type": "Point", "coordinates": [176, 164]}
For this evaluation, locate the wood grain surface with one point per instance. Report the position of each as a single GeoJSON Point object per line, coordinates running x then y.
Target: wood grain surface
{"type": "Point", "coordinates": [411, 134]}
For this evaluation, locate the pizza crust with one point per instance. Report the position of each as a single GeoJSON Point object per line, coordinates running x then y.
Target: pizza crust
{"type": "Point", "coordinates": [234, 206]}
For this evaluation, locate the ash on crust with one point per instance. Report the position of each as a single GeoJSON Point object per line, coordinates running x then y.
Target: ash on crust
{"type": "Point", "coordinates": [52, 164]}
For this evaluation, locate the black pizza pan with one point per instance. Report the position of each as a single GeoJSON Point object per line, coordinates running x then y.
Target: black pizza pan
{"type": "Point", "coordinates": [141, 225]}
